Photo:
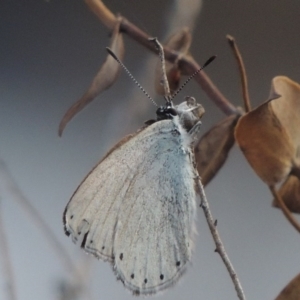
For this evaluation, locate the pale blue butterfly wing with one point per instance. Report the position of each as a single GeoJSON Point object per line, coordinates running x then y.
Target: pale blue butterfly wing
{"type": "Point", "coordinates": [136, 208]}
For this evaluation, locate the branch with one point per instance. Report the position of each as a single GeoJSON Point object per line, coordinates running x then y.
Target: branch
{"type": "Point", "coordinates": [219, 245]}
{"type": "Point", "coordinates": [187, 64]}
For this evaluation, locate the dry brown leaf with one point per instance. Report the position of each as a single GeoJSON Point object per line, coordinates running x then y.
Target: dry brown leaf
{"type": "Point", "coordinates": [269, 135]}
{"type": "Point", "coordinates": [290, 193]}
{"type": "Point", "coordinates": [180, 42]}
{"type": "Point", "coordinates": [105, 77]}
{"type": "Point", "coordinates": [291, 291]}
{"type": "Point", "coordinates": [212, 150]}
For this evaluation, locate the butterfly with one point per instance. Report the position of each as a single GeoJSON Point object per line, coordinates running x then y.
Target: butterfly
{"type": "Point", "coordinates": [136, 209]}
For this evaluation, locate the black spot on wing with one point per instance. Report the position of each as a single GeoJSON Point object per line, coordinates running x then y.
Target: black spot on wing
{"type": "Point", "coordinates": [67, 232]}
{"type": "Point", "coordinates": [136, 292]}
{"type": "Point", "coordinates": [84, 240]}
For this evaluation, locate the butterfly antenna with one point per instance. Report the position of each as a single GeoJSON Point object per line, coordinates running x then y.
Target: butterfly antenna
{"type": "Point", "coordinates": [130, 75]}
{"type": "Point", "coordinates": [163, 69]}
{"type": "Point", "coordinates": [193, 75]}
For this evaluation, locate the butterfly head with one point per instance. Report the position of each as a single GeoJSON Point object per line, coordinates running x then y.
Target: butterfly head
{"type": "Point", "coordinates": [189, 112]}
{"type": "Point", "coordinates": [166, 112]}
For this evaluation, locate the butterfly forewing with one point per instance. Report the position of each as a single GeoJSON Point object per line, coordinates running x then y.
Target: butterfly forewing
{"type": "Point", "coordinates": [136, 208]}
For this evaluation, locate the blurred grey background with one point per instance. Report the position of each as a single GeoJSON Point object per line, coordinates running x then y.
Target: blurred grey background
{"type": "Point", "coordinates": [49, 53]}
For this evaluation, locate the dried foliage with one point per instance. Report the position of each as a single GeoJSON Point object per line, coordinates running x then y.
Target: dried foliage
{"type": "Point", "coordinates": [213, 148]}
{"type": "Point", "coordinates": [291, 291]}
{"type": "Point", "coordinates": [290, 194]}
{"type": "Point", "coordinates": [105, 77]}
{"type": "Point", "coordinates": [269, 135]}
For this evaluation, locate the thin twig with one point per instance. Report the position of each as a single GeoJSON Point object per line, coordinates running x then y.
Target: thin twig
{"type": "Point", "coordinates": [7, 265]}
{"type": "Point", "coordinates": [163, 68]}
{"type": "Point", "coordinates": [242, 70]}
{"type": "Point", "coordinates": [219, 245]}
{"type": "Point", "coordinates": [187, 64]}
{"type": "Point", "coordinates": [284, 208]}
{"type": "Point", "coordinates": [9, 184]}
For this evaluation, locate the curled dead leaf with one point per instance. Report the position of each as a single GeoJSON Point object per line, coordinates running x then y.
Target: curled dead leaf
{"type": "Point", "coordinates": [212, 150]}
{"type": "Point", "coordinates": [105, 77]}
{"type": "Point", "coordinates": [180, 42]}
{"type": "Point", "coordinates": [290, 194]}
{"type": "Point", "coordinates": [291, 291]}
{"type": "Point", "coordinates": [269, 135]}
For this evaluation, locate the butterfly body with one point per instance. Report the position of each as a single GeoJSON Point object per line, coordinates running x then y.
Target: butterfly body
{"type": "Point", "coordinates": [137, 207]}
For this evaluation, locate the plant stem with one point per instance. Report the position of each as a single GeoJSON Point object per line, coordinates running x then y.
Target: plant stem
{"type": "Point", "coordinates": [242, 70]}
{"type": "Point", "coordinates": [219, 245]}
